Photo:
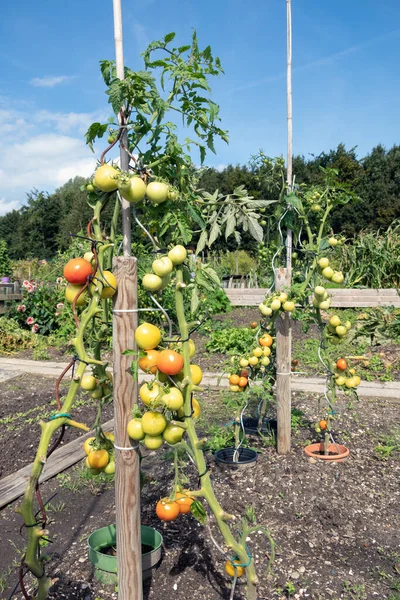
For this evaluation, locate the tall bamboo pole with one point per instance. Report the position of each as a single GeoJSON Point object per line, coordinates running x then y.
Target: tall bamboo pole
{"type": "Point", "coordinates": [283, 280]}
{"type": "Point", "coordinates": [127, 475]}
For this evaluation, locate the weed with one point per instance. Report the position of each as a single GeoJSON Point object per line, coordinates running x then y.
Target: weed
{"type": "Point", "coordinates": [387, 445]}
{"type": "Point", "coordinates": [356, 591]}
{"type": "Point", "coordinates": [250, 514]}
{"type": "Point", "coordinates": [80, 478]}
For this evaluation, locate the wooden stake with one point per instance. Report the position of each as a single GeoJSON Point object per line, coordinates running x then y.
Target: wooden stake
{"type": "Point", "coordinates": [127, 475]}
{"type": "Point", "coordinates": [127, 478]}
{"type": "Point", "coordinates": [283, 370]}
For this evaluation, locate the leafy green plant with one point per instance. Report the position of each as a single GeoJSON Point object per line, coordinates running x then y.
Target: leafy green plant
{"type": "Point", "coordinates": [235, 340]}
{"type": "Point", "coordinates": [13, 338]}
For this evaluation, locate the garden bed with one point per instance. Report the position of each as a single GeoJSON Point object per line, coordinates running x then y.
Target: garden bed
{"type": "Point", "coordinates": [336, 526]}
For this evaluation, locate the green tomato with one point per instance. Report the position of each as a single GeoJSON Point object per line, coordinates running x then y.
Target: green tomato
{"type": "Point", "coordinates": [152, 442]}
{"type": "Point", "coordinates": [152, 282]}
{"type": "Point", "coordinates": [173, 434]}
{"type": "Point", "coordinates": [177, 254]}
{"type": "Point", "coordinates": [174, 399]}
{"type": "Point", "coordinates": [133, 190]}
{"type": "Point", "coordinates": [153, 422]}
{"type": "Point", "coordinates": [162, 266]}
{"type": "Point", "coordinates": [323, 262]}
{"type": "Point", "coordinates": [135, 429]}
{"type": "Point", "coordinates": [157, 192]}
{"type": "Point", "coordinates": [333, 241]}
{"type": "Point", "coordinates": [327, 272]}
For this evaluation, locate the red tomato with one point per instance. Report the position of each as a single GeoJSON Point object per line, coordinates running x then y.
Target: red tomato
{"type": "Point", "coordinates": [323, 424]}
{"type": "Point", "coordinates": [167, 510]}
{"type": "Point", "coordinates": [169, 362]}
{"type": "Point", "coordinates": [234, 379]}
{"type": "Point", "coordinates": [341, 364]}
{"type": "Point", "coordinates": [77, 270]}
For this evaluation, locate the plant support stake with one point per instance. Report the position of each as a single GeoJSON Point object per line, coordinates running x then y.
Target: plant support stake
{"type": "Point", "coordinates": [127, 477]}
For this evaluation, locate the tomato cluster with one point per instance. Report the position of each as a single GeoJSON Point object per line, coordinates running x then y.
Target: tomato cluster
{"type": "Point", "coordinates": [132, 188]}
{"type": "Point", "coordinates": [252, 365]}
{"type": "Point", "coordinates": [99, 454]}
{"type": "Point", "coordinates": [79, 271]}
{"type": "Point", "coordinates": [326, 271]}
{"type": "Point", "coordinates": [162, 396]}
{"type": "Point", "coordinates": [169, 510]}
{"type": "Point", "coordinates": [275, 303]}
{"type": "Point", "coordinates": [162, 268]}
{"type": "Point", "coordinates": [346, 377]}
{"type": "Point", "coordinates": [337, 330]}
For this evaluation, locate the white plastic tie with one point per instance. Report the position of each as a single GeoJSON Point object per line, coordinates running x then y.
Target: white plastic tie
{"type": "Point", "coordinates": [126, 449]}
{"type": "Point", "coordinates": [135, 310]}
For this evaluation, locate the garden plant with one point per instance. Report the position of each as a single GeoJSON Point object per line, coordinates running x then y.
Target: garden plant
{"type": "Point", "coordinates": [161, 180]}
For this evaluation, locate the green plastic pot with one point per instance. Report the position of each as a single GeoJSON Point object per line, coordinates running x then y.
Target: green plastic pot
{"type": "Point", "coordinates": [105, 566]}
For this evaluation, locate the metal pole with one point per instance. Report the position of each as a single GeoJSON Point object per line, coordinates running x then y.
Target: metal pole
{"type": "Point", "coordinates": [125, 320]}
{"type": "Point", "coordinates": [289, 128]}
{"type": "Point", "coordinates": [124, 158]}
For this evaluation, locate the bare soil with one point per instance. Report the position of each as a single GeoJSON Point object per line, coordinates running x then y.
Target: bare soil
{"type": "Point", "coordinates": [336, 526]}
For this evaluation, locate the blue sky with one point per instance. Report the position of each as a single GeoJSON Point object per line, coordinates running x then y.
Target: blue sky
{"type": "Point", "coordinates": [346, 80]}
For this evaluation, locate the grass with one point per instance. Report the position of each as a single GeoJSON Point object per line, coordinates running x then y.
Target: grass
{"type": "Point", "coordinates": [79, 479]}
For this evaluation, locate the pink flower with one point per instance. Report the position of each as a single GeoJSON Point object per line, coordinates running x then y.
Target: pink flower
{"type": "Point", "coordinates": [30, 321]}
{"type": "Point", "coordinates": [60, 280]}
{"type": "Point", "coordinates": [21, 308]}
{"type": "Point", "coordinates": [29, 287]}
{"type": "Point", "coordinates": [26, 283]}
{"type": "Point", "coordinates": [35, 328]}
{"type": "Point", "coordinates": [57, 314]}
{"type": "Point", "coordinates": [60, 305]}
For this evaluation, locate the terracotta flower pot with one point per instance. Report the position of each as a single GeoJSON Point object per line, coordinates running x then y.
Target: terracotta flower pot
{"type": "Point", "coordinates": [317, 451]}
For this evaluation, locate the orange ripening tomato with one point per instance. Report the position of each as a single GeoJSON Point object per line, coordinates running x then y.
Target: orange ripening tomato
{"type": "Point", "coordinates": [169, 362]}
{"type": "Point", "coordinates": [341, 364]}
{"type": "Point", "coordinates": [167, 510]}
{"type": "Point", "coordinates": [323, 424]}
{"type": "Point", "coordinates": [77, 270]}
{"type": "Point", "coordinates": [184, 501]}
{"type": "Point", "coordinates": [243, 381]}
{"type": "Point", "coordinates": [265, 340]}
{"type": "Point", "coordinates": [234, 379]}
{"type": "Point", "coordinates": [148, 363]}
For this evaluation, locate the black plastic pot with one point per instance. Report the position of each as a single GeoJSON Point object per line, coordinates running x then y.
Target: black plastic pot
{"type": "Point", "coordinates": [267, 426]}
{"type": "Point", "coordinates": [246, 457]}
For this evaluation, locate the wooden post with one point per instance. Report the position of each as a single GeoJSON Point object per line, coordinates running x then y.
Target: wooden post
{"type": "Point", "coordinates": [125, 320]}
{"type": "Point", "coordinates": [283, 369]}
{"type": "Point", "coordinates": [127, 478]}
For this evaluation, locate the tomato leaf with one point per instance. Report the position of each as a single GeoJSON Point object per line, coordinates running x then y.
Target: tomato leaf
{"type": "Point", "coordinates": [198, 511]}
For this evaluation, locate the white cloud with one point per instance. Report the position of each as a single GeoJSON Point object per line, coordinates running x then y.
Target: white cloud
{"type": "Point", "coordinates": [49, 81]}
{"type": "Point", "coordinates": [65, 122]}
{"type": "Point", "coordinates": [6, 207]}
{"type": "Point", "coordinates": [45, 162]}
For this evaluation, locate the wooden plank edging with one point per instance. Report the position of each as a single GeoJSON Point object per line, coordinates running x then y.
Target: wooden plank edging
{"type": "Point", "coordinates": [13, 486]}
